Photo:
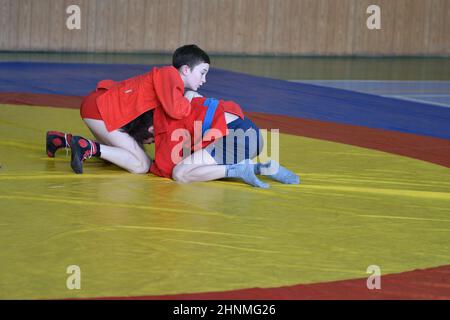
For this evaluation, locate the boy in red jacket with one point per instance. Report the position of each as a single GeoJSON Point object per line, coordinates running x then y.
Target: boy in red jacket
{"type": "Point", "coordinates": [121, 117]}
{"type": "Point", "coordinates": [237, 140]}
{"type": "Point", "coordinates": [114, 111]}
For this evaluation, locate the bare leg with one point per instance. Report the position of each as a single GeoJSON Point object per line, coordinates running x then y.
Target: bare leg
{"type": "Point", "coordinates": [119, 148]}
{"type": "Point", "coordinates": [200, 166]}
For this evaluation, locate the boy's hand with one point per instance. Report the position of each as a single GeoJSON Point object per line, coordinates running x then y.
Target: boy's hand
{"type": "Point", "coordinates": [151, 139]}
{"type": "Point", "coordinates": [190, 94]}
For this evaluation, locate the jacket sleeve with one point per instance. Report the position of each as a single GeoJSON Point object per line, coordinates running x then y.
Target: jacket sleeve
{"type": "Point", "coordinates": [232, 107]}
{"type": "Point", "coordinates": [169, 89]}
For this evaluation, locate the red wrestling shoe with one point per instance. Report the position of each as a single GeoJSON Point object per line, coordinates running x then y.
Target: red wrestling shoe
{"type": "Point", "coordinates": [82, 149]}
{"type": "Point", "coordinates": [56, 140]}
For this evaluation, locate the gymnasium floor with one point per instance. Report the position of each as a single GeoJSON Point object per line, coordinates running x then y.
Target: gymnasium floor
{"type": "Point", "coordinates": [373, 157]}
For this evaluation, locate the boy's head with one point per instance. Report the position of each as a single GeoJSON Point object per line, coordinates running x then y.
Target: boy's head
{"type": "Point", "coordinates": [192, 64]}
{"type": "Point", "coordinates": [141, 128]}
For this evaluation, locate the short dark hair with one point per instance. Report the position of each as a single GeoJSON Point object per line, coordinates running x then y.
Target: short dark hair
{"type": "Point", "coordinates": [138, 128]}
{"type": "Point", "coordinates": [190, 55]}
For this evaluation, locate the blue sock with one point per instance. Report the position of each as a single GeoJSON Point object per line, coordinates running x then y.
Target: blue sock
{"type": "Point", "coordinates": [246, 173]}
{"type": "Point", "coordinates": [281, 174]}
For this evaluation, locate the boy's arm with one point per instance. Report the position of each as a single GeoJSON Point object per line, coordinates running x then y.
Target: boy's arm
{"type": "Point", "coordinates": [231, 108]}
{"type": "Point", "coordinates": [169, 89]}
{"type": "Point", "coordinates": [190, 94]}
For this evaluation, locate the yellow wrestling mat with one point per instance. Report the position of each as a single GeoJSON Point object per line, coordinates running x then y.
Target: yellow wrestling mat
{"type": "Point", "coordinates": [137, 235]}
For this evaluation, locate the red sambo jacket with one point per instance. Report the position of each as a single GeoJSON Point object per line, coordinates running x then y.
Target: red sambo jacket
{"type": "Point", "coordinates": [173, 133]}
{"type": "Point", "coordinates": [126, 100]}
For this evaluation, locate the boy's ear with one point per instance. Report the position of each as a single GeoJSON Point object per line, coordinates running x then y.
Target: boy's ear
{"type": "Point", "coordinates": [185, 69]}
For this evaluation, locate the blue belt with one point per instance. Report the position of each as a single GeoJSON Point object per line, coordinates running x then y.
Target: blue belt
{"type": "Point", "coordinates": [212, 106]}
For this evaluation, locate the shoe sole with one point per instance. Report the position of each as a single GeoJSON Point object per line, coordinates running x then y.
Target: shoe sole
{"type": "Point", "coordinates": [48, 144]}
{"type": "Point", "coordinates": [75, 163]}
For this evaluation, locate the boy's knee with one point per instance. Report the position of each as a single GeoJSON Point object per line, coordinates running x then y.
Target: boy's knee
{"type": "Point", "coordinates": [178, 174]}
{"type": "Point", "coordinates": [141, 168]}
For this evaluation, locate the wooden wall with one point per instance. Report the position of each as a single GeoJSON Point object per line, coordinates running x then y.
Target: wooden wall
{"type": "Point", "coordinates": [292, 27]}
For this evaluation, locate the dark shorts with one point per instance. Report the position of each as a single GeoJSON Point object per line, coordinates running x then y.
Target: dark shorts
{"type": "Point", "coordinates": [244, 141]}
